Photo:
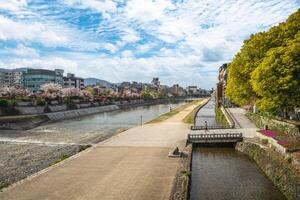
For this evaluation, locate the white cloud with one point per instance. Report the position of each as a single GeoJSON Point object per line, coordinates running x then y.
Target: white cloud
{"type": "Point", "coordinates": [13, 5]}
{"type": "Point", "coordinates": [194, 37]}
{"type": "Point", "coordinates": [37, 32]}
{"type": "Point", "coordinates": [23, 51]}
{"type": "Point", "coordinates": [103, 6]}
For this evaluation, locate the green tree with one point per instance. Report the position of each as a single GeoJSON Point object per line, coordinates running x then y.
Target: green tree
{"type": "Point", "coordinates": [276, 80]}
{"type": "Point", "coordinates": [264, 57]}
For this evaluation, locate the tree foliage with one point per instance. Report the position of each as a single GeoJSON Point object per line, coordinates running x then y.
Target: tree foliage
{"type": "Point", "coordinates": [266, 70]}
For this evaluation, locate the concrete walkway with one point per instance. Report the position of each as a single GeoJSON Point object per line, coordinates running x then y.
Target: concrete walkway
{"type": "Point", "coordinates": [240, 118]}
{"type": "Point", "coordinates": [131, 165]}
{"type": "Point", "coordinates": [245, 126]}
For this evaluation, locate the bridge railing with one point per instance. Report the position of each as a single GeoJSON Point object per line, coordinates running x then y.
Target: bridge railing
{"type": "Point", "coordinates": [211, 137]}
{"type": "Point", "coordinates": [193, 128]}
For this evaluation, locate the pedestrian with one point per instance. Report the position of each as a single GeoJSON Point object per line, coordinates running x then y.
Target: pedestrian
{"type": "Point", "coordinates": [206, 128]}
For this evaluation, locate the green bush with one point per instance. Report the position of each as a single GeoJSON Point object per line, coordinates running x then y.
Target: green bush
{"type": "Point", "coordinates": [220, 117]}
{"type": "Point", "coordinates": [3, 103]}
{"type": "Point", "coordinates": [264, 141]}
{"type": "Point", "coordinates": [290, 160]}
{"type": "Point", "coordinates": [12, 102]}
{"type": "Point", "coordinates": [41, 102]}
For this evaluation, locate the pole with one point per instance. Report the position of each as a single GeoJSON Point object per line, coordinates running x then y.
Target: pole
{"type": "Point", "coordinates": [141, 120]}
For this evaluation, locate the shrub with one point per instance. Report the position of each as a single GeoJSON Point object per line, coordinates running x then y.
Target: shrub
{"type": "Point", "coordinates": [186, 173]}
{"type": "Point", "coordinates": [264, 141]}
{"type": "Point", "coordinates": [289, 160]}
{"type": "Point", "coordinates": [3, 103]}
{"type": "Point", "coordinates": [41, 102]}
{"type": "Point", "coordinates": [12, 102]}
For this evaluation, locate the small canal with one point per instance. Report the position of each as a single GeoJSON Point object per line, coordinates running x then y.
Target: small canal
{"type": "Point", "coordinates": [222, 173]}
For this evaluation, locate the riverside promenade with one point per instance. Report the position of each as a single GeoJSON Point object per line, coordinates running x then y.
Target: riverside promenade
{"type": "Point", "coordinates": [131, 165]}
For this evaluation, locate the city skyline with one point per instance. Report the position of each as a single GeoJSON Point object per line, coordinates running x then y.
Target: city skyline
{"type": "Point", "coordinates": [181, 42]}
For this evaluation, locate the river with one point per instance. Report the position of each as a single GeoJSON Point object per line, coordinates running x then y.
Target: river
{"type": "Point", "coordinates": [90, 129]}
{"type": "Point", "coordinates": [23, 153]}
{"type": "Point", "coordinates": [222, 173]}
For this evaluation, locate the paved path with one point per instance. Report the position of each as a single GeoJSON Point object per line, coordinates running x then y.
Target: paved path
{"type": "Point", "coordinates": [240, 118]}
{"type": "Point", "coordinates": [245, 125]}
{"type": "Point", "coordinates": [131, 165]}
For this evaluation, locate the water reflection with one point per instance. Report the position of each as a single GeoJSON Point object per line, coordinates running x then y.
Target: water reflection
{"type": "Point", "coordinates": [206, 113]}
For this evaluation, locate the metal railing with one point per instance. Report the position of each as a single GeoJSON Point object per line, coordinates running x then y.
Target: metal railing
{"type": "Point", "coordinates": [222, 137]}
{"type": "Point", "coordinates": [228, 115]}
{"type": "Point", "coordinates": [193, 128]}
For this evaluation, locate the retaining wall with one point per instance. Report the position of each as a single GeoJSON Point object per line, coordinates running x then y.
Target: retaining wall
{"type": "Point", "coordinates": [278, 169]}
{"type": "Point", "coordinates": [70, 114]}
{"type": "Point", "coordinates": [23, 123]}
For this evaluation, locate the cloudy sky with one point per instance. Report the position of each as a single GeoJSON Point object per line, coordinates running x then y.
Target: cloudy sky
{"type": "Point", "coordinates": [180, 41]}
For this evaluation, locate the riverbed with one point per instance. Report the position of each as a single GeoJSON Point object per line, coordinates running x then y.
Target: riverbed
{"type": "Point", "coordinates": [226, 174]}
{"type": "Point", "coordinates": [23, 153]}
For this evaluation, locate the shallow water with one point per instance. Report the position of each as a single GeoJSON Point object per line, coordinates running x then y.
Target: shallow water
{"type": "Point", "coordinates": [90, 129]}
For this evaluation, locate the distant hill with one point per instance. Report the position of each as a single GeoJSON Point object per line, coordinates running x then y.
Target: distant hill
{"type": "Point", "coordinates": [94, 81]}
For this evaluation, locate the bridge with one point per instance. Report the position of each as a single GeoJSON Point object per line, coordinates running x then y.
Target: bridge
{"type": "Point", "coordinates": [215, 138]}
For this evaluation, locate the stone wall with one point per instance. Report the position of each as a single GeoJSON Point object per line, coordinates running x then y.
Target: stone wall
{"type": "Point", "coordinates": [31, 110]}
{"type": "Point", "coordinates": [278, 169]}
{"type": "Point", "coordinates": [70, 114]}
{"type": "Point", "coordinates": [23, 123]}
{"type": "Point", "coordinates": [288, 128]}
{"type": "Point", "coordinates": [181, 183]}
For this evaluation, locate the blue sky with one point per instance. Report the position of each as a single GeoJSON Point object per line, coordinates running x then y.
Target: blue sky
{"type": "Point", "coordinates": [180, 41]}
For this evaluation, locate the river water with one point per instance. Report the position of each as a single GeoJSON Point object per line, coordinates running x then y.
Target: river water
{"type": "Point", "coordinates": [90, 129]}
{"type": "Point", "coordinates": [23, 153]}
{"type": "Point", "coordinates": [222, 173]}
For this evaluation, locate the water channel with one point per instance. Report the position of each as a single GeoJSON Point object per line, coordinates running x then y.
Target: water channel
{"type": "Point", "coordinates": [222, 173]}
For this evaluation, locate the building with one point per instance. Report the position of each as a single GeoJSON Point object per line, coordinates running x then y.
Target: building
{"type": "Point", "coordinates": [11, 77]}
{"type": "Point", "coordinates": [177, 91]}
{"type": "Point", "coordinates": [192, 90]}
{"type": "Point", "coordinates": [155, 82]}
{"type": "Point", "coordinates": [34, 78]}
{"type": "Point", "coordinates": [221, 85]}
{"type": "Point", "coordinates": [72, 81]}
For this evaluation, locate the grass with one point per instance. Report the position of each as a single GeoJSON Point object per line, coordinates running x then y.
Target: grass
{"type": "Point", "coordinates": [167, 115]}
{"type": "Point", "coordinates": [4, 185]}
{"type": "Point", "coordinates": [186, 173]}
{"type": "Point", "coordinates": [190, 118]}
{"type": "Point", "coordinates": [61, 158]}
{"type": "Point", "coordinates": [84, 147]}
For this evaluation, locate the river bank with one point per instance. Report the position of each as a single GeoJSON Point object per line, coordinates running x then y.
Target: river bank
{"type": "Point", "coordinates": [31, 119]}
{"type": "Point", "coordinates": [23, 153]}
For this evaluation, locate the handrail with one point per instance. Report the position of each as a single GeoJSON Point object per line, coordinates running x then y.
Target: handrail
{"type": "Point", "coordinates": [219, 136]}
{"type": "Point", "coordinates": [228, 115]}
{"type": "Point", "coordinates": [208, 127]}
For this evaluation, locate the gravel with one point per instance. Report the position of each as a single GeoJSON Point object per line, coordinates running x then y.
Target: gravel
{"type": "Point", "coordinates": [17, 161]}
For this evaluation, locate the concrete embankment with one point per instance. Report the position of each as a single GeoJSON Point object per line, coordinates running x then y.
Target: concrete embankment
{"type": "Point", "coordinates": [278, 169]}
{"type": "Point", "coordinates": [70, 114]}
{"type": "Point", "coordinates": [24, 122]}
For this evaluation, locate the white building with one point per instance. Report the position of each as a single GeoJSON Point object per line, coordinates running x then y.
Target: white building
{"type": "Point", "coordinates": [72, 81]}
{"type": "Point", "coordinates": [11, 77]}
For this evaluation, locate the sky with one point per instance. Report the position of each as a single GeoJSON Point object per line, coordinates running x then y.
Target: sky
{"type": "Point", "coordinates": [179, 41]}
